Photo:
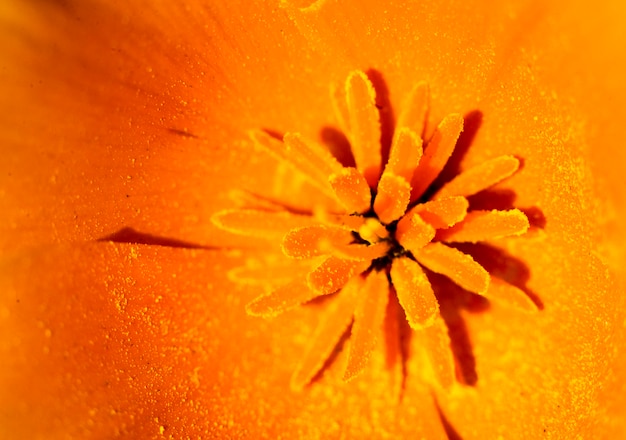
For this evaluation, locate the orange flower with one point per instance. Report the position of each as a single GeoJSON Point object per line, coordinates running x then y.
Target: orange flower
{"type": "Point", "coordinates": [124, 129]}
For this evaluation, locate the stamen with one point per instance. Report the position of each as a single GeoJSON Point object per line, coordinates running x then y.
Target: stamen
{"type": "Point", "coordinates": [352, 190]}
{"type": "Point", "coordinates": [313, 241]}
{"type": "Point", "coordinates": [405, 154]}
{"type": "Point", "coordinates": [368, 321]}
{"type": "Point", "coordinates": [333, 274]}
{"type": "Point", "coordinates": [459, 267]}
{"type": "Point", "coordinates": [414, 293]}
{"type": "Point", "coordinates": [436, 154]}
{"type": "Point", "coordinates": [334, 323]}
{"type": "Point", "coordinates": [413, 233]}
{"type": "Point", "coordinates": [262, 224]}
{"type": "Point", "coordinates": [392, 197]}
{"type": "Point", "coordinates": [364, 126]}
{"type": "Point", "coordinates": [442, 213]}
{"type": "Point", "coordinates": [479, 177]}
{"type": "Point", "coordinates": [415, 110]}
{"type": "Point", "coordinates": [282, 299]}
{"type": "Point", "coordinates": [486, 225]}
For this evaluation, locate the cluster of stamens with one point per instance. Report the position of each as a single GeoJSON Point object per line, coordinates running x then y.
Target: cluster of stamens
{"type": "Point", "coordinates": [379, 232]}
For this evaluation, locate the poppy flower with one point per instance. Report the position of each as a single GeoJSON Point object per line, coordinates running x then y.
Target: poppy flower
{"type": "Point", "coordinates": [126, 129]}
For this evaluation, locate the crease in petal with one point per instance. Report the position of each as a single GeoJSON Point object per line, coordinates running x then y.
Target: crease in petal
{"type": "Point", "coordinates": [486, 225]}
{"type": "Point", "coordinates": [480, 177]}
{"type": "Point", "coordinates": [415, 110]}
{"type": "Point", "coordinates": [352, 190]}
{"type": "Point", "coordinates": [454, 264]}
{"type": "Point", "coordinates": [262, 224]}
{"type": "Point", "coordinates": [281, 299]}
{"type": "Point", "coordinates": [368, 322]}
{"type": "Point", "coordinates": [313, 241]}
{"type": "Point", "coordinates": [414, 292]}
{"type": "Point", "coordinates": [413, 233]}
{"type": "Point", "coordinates": [333, 274]}
{"type": "Point", "coordinates": [436, 154]}
{"type": "Point", "coordinates": [365, 131]}
{"type": "Point", "coordinates": [507, 294]}
{"type": "Point", "coordinates": [442, 213]}
{"type": "Point", "coordinates": [335, 322]}
{"type": "Point", "coordinates": [439, 353]}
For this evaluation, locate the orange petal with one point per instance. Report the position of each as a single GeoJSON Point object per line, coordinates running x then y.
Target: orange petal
{"type": "Point", "coordinates": [364, 126]}
{"type": "Point", "coordinates": [405, 153]}
{"type": "Point", "coordinates": [368, 321]}
{"type": "Point", "coordinates": [413, 233]}
{"type": "Point", "coordinates": [442, 213]}
{"type": "Point", "coordinates": [459, 267]}
{"type": "Point", "coordinates": [510, 295]}
{"type": "Point", "coordinates": [261, 224]}
{"type": "Point", "coordinates": [479, 177]}
{"type": "Point", "coordinates": [436, 154]}
{"type": "Point", "coordinates": [392, 197]}
{"type": "Point", "coordinates": [485, 225]}
{"type": "Point", "coordinates": [352, 190]}
{"type": "Point", "coordinates": [439, 353]}
{"type": "Point", "coordinates": [335, 321]}
{"type": "Point", "coordinates": [284, 298]}
{"type": "Point", "coordinates": [333, 274]}
{"type": "Point", "coordinates": [312, 241]}
{"type": "Point", "coordinates": [414, 292]}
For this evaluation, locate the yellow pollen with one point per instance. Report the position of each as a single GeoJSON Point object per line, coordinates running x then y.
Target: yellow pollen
{"type": "Point", "coordinates": [373, 231]}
